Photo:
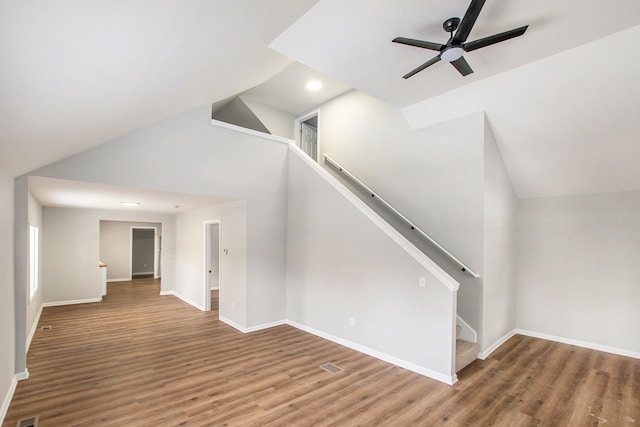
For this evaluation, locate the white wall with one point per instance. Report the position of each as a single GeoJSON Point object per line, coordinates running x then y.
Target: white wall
{"type": "Point", "coordinates": [341, 267]}
{"type": "Point", "coordinates": [578, 268]}
{"type": "Point", "coordinates": [191, 262]}
{"type": "Point", "coordinates": [71, 251]}
{"type": "Point", "coordinates": [499, 281]}
{"type": "Point", "coordinates": [7, 315]}
{"type": "Point", "coordinates": [34, 304]}
{"type": "Point", "coordinates": [433, 176]}
{"type": "Point", "coordinates": [115, 246]}
{"type": "Point", "coordinates": [186, 154]}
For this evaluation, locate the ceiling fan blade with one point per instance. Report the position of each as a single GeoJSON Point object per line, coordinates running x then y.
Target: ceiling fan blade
{"type": "Point", "coordinates": [422, 67]}
{"type": "Point", "coordinates": [468, 21]}
{"type": "Point", "coordinates": [462, 66]}
{"type": "Point", "coordinates": [496, 38]}
{"type": "Point", "coordinates": [419, 43]}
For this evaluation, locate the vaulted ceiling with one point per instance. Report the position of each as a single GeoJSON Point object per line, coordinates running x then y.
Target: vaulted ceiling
{"type": "Point", "coordinates": [561, 99]}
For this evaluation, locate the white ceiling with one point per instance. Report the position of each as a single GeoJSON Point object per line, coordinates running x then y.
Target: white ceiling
{"type": "Point", "coordinates": [286, 91]}
{"type": "Point", "coordinates": [76, 74]}
{"type": "Point", "coordinates": [351, 40]}
{"type": "Point", "coordinates": [561, 99]}
{"type": "Point", "coordinates": [85, 195]}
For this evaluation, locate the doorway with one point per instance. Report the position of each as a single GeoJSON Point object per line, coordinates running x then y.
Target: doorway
{"type": "Point", "coordinates": [212, 268]}
{"type": "Point", "coordinates": [144, 249]}
{"type": "Point", "coordinates": [307, 131]}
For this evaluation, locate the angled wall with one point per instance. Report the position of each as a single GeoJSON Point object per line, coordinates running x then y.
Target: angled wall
{"type": "Point", "coordinates": [7, 317]}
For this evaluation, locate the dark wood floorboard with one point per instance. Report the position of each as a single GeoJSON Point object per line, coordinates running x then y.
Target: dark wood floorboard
{"type": "Point", "coordinates": [141, 359]}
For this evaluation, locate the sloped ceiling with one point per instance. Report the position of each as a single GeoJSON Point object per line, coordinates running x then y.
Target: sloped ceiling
{"type": "Point", "coordinates": [562, 97]}
{"type": "Point", "coordinates": [75, 74]}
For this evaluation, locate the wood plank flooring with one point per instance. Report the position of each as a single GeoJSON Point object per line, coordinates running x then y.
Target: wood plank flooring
{"type": "Point", "coordinates": [140, 359]}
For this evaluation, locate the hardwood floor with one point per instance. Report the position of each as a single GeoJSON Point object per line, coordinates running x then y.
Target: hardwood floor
{"type": "Point", "coordinates": [140, 359]}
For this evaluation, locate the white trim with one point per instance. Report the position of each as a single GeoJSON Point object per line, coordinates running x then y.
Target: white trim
{"type": "Point", "coordinates": [119, 280]}
{"type": "Point", "coordinates": [143, 272]}
{"type": "Point", "coordinates": [408, 247]}
{"type": "Point", "coordinates": [234, 324]}
{"type": "Point", "coordinates": [578, 343]}
{"type": "Point", "coordinates": [71, 302]}
{"type": "Point", "coordinates": [251, 132]}
{"type": "Point", "coordinates": [266, 326]}
{"type": "Point", "coordinates": [183, 298]}
{"type": "Point", "coordinates": [7, 399]}
{"type": "Point", "coordinates": [297, 135]}
{"type": "Point", "coordinates": [450, 380]}
{"type": "Point", "coordinates": [23, 375]}
{"type": "Point", "coordinates": [34, 327]}
{"type": "Point", "coordinates": [493, 347]}
{"type": "Point", "coordinates": [467, 333]}
{"type": "Point", "coordinates": [255, 328]}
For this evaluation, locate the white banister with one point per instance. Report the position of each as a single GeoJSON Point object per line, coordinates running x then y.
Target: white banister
{"type": "Point", "coordinates": [414, 227]}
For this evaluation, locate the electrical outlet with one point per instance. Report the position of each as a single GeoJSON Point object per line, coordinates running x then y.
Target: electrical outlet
{"type": "Point", "coordinates": [422, 281]}
{"type": "Point", "coordinates": [352, 322]}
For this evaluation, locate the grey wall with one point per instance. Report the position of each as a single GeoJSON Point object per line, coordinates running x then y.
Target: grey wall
{"type": "Point", "coordinates": [33, 304]}
{"type": "Point", "coordinates": [71, 251]}
{"type": "Point", "coordinates": [191, 262]}
{"type": "Point", "coordinates": [434, 176]}
{"type": "Point", "coordinates": [578, 268]}
{"type": "Point", "coordinates": [7, 315]}
{"type": "Point", "coordinates": [238, 113]}
{"type": "Point", "coordinates": [278, 122]}
{"type": "Point", "coordinates": [115, 246]}
{"type": "Point", "coordinates": [341, 267]}
{"type": "Point", "coordinates": [499, 281]}
{"type": "Point", "coordinates": [187, 154]}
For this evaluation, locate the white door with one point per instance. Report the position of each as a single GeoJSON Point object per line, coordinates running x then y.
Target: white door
{"type": "Point", "coordinates": [309, 140]}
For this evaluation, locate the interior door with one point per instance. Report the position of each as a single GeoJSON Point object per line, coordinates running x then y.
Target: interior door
{"type": "Point", "coordinates": [309, 140]}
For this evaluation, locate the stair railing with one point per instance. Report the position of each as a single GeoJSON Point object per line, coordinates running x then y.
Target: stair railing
{"type": "Point", "coordinates": [411, 225]}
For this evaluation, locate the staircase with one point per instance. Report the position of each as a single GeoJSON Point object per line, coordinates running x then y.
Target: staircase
{"type": "Point", "coordinates": [466, 351]}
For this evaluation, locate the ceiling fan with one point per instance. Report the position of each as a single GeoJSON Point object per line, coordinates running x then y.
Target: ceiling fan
{"type": "Point", "coordinates": [457, 45]}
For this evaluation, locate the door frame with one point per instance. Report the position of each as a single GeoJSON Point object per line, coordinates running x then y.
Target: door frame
{"type": "Point", "coordinates": [207, 256]}
{"type": "Point", "coordinates": [297, 130]}
{"type": "Point", "coordinates": [155, 249]}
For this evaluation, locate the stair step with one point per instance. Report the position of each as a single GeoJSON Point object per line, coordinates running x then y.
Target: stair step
{"type": "Point", "coordinates": [466, 352]}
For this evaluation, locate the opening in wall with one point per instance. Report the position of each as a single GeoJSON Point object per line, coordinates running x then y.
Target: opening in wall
{"type": "Point", "coordinates": [307, 134]}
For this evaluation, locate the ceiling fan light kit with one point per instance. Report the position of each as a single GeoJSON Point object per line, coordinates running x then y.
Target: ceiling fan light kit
{"type": "Point", "coordinates": [457, 44]}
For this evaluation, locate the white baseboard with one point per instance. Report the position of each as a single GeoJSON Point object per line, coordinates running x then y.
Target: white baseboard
{"type": "Point", "coordinates": [143, 272]}
{"type": "Point", "coordinates": [71, 302]}
{"type": "Point", "coordinates": [578, 343]}
{"type": "Point", "coordinates": [34, 327]}
{"type": "Point", "coordinates": [250, 329]}
{"type": "Point", "coordinates": [450, 380]}
{"type": "Point", "coordinates": [493, 347]}
{"type": "Point", "coordinates": [127, 279]}
{"type": "Point", "coordinates": [7, 399]}
{"type": "Point", "coordinates": [12, 389]}
{"type": "Point", "coordinates": [183, 298]}
{"type": "Point", "coordinates": [234, 324]}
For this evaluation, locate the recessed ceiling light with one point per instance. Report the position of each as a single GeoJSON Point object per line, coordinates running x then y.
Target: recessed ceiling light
{"type": "Point", "coordinates": [132, 204]}
{"type": "Point", "coordinates": [314, 85]}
